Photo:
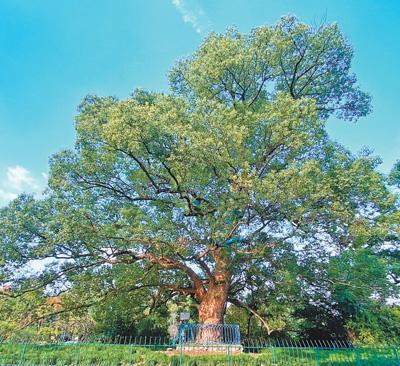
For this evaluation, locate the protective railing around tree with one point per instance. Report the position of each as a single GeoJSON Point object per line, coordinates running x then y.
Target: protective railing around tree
{"type": "Point", "coordinates": [150, 350]}
{"type": "Point", "coordinates": [205, 334]}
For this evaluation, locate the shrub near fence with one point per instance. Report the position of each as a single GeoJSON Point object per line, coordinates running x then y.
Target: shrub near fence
{"type": "Point", "coordinates": [157, 351]}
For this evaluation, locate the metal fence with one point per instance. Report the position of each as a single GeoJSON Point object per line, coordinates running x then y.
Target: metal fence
{"type": "Point", "coordinates": [167, 351]}
{"type": "Point", "coordinates": [205, 334]}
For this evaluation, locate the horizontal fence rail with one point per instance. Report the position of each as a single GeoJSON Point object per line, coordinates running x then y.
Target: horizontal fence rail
{"type": "Point", "coordinates": [169, 351]}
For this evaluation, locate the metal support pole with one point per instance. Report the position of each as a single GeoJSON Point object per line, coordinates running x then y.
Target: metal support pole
{"type": "Point", "coordinates": [317, 356]}
{"type": "Point", "coordinates": [21, 359]}
{"type": "Point", "coordinates": [358, 359]}
{"type": "Point", "coordinates": [180, 352]}
{"type": "Point", "coordinates": [78, 353]}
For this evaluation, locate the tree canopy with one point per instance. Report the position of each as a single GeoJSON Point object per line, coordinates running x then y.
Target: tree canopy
{"type": "Point", "coordinates": [228, 189]}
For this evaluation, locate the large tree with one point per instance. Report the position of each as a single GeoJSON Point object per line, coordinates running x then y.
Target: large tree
{"type": "Point", "coordinates": [208, 191]}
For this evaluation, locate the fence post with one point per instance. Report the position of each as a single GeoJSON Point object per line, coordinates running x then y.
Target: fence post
{"type": "Point", "coordinates": [21, 359]}
{"type": "Point", "coordinates": [358, 360]}
{"type": "Point", "coordinates": [229, 355]}
{"type": "Point", "coordinates": [180, 352]}
{"type": "Point", "coordinates": [274, 359]}
{"type": "Point", "coordinates": [130, 360]}
{"type": "Point", "coordinates": [78, 353]}
{"type": "Point", "coordinates": [317, 356]}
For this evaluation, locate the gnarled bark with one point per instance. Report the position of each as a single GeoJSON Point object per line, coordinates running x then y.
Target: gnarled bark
{"type": "Point", "coordinates": [213, 303]}
{"type": "Point", "coordinates": [212, 306]}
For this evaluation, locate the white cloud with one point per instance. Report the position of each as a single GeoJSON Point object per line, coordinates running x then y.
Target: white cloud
{"type": "Point", "coordinates": [17, 180]}
{"type": "Point", "coordinates": [19, 177]}
{"type": "Point", "coordinates": [6, 196]}
{"type": "Point", "coordinates": [189, 15]}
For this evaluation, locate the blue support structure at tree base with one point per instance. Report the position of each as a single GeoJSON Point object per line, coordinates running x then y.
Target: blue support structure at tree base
{"type": "Point", "coordinates": [209, 337]}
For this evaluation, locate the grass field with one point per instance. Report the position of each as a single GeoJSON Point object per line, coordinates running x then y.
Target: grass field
{"type": "Point", "coordinates": [114, 354]}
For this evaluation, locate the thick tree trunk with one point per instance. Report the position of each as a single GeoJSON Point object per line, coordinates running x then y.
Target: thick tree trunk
{"type": "Point", "coordinates": [212, 307]}
{"type": "Point", "coordinates": [213, 304]}
{"type": "Point", "coordinates": [211, 312]}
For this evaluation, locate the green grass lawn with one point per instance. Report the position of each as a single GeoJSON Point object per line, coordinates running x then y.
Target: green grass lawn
{"type": "Point", "coordinates": [103, 354]}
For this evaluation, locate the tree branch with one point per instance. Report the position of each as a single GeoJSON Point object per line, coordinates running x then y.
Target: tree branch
{"type": "Point", "coordinates": [252, 311]}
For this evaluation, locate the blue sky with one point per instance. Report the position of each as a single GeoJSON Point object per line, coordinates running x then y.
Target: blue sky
{"type": "Point", "coordinates": [53, 53]}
